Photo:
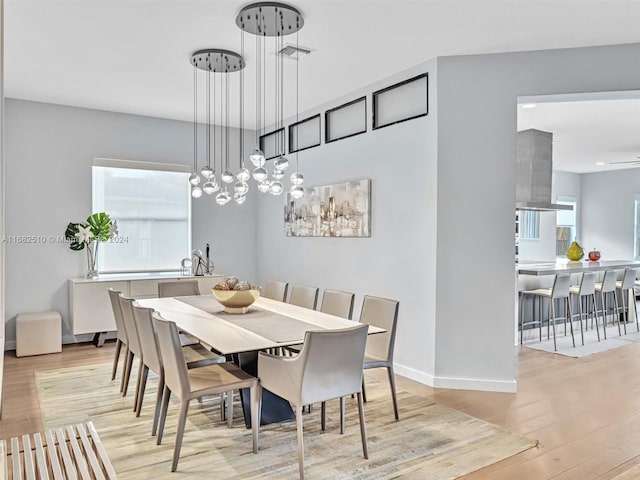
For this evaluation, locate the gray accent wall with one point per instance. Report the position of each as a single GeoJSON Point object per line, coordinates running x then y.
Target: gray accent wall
{"type": "Point", "coordinates": [49, 153]}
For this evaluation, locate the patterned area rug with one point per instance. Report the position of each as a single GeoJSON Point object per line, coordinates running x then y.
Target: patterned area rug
{"type": "Point", "coordinates": [429, 437]}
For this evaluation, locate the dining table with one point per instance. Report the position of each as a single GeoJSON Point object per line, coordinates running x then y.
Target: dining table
{"type": "Point", "coordinates": [268, 324]}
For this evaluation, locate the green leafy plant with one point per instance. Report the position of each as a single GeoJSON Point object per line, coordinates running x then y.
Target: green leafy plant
{"type": "Point", "coordinates": [98, 227]}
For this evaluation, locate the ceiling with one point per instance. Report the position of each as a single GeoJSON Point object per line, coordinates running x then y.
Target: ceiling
{"type": "Point", "coordinates": [132, 56]}
{"type": "Point", "coordinates": [587, 134]}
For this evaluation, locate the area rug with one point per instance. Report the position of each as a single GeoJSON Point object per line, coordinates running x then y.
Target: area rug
{"type": "Point", "coordinates": [591, 343]}
{"type": "Point", "coordinates": [429, 437]}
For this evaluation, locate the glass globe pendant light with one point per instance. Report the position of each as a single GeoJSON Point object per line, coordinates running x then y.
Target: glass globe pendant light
{"type": "Point", "coordinates": [296, 191]}
{"type": "Point", "coordinates": [257, 158]}
{"type": "Point", "coordinates": [223, 198]}
{"type": "Point", "coordinates": [277, 174]}
{"type": "Point", "coordinates": [239, 199]}
{"type": "Point", "coordinates": [281, 163]}
{"type": "Point", "coordinates": [196, 191]}
{"type": "Point", "coordinates": [241, 188]}
{"type": "Point", "coordinates": [243, 174]}
{"type": "Point", "coordinates": [263, 186]}
{"type": "Point", "coordinates": [260, 174]}
{"type": "Point", "coordinates": [275, 188]}
{"type": "Point", "coordinates": [296, 178]}
{"type": "Point", "coordinates": [227, 177]}
{"type": "Point", "coordinates": [211, 186]}
{"type": "Point", "coordinates": [206, 172]}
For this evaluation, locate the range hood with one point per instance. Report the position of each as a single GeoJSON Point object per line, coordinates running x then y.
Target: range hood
{"type": "Point", "coordinates": [533, 174]}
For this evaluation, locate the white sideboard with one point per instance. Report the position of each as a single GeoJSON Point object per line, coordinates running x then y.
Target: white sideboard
{"type": "Point", "coordinates": [89, 305]}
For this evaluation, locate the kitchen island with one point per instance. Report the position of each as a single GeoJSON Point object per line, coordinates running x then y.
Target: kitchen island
{"type": "Point", "coordinates": [568, 267]}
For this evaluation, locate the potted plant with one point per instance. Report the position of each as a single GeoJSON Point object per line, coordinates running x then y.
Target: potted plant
{"type": "Point", "coordinates": [98, 227]}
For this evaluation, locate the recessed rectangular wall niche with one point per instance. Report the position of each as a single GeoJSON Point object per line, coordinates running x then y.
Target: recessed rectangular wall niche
{"type": "Point", "coordinates": [272, 144]}
{"type": "Point", "coordinates": [346, 120]}
{"type": "Point", "coordinates": [304, 134]}
{"type": "Point", "coordinates": [337, 210]}
{"type": "Point", "coordinates": [401, 102]}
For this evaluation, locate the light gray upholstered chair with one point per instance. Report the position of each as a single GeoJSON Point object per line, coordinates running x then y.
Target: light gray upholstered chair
{"type": "Point", "coordinates": [304, 296]}
{"type": "Point", "coordinates": [607, 290]}
{"type": "Point", "coordinates": [275, 290]}
{"type": "Point", "coordinates": [329, 366]}
{"type": "Point", "coordinates": [195, 356]}
{"type": "Point", "coordinates": [187, 384]}
{"type": "Point", "coordinates": [383, 313]}
{"type": "Point", "coordinates": [180, 288]}
{"type": "Point", "coordinates": [134, 349]}
{"type": "Point", "coordinates": [626, 285]}
{"type": "Point", "coordinates": [121, 334]}
{"type": "Point", "coordinates": [586, 290]}
{"type": "Point", "coordinates": [338, 303]}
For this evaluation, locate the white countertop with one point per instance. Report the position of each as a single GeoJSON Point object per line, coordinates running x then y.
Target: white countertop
{"type": "Point", "coordinates": [119, 277]}
{"type": "Point", "coordinates": [566, 266]}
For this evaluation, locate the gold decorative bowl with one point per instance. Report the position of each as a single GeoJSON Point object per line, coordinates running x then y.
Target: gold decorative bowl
{"type": "Point", "coordinates": [236, 301]}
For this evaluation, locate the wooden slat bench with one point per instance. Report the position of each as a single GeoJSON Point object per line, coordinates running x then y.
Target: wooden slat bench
{"type": "Point", "coordinates": [69, 453]}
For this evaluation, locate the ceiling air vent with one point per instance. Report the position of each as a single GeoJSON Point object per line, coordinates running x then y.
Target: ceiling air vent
{"type": "Point", "coordinates": [293, 52]}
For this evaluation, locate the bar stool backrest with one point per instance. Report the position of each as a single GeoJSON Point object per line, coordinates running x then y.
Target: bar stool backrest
{"type": "Point", "coordinates": [629, 279]}
{"type": "Point", "coordinates": [588, 283]}
{"type": "Point", "coordinates": [609, 281]}
{"type": "Point", "coordinates": [561, 286]}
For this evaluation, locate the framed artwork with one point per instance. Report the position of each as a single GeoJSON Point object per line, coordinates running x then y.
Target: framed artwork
{"type": "Point", "coordinates": [403, 101]}
{"type": "Point", "coordinates": [346, 120]}
{"type": "Point", "coordinates": [336, 210]}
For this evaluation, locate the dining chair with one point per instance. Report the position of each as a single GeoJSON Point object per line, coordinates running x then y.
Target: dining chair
{"type": "Point", "coordinates": [195, 356]}
{"type": "Point", "coordinates": [121, 334]}
{"type": "Point", "coordinates": [383, 313]}
{"type": "Point", "coordinates": [334, 302]}
{"type": "Point", "coordinates": [304, 296]}
{"type": "Point", "coordinates": [181, 288]}
{"type": "Point", "coordinates": [134, 348]}
{"type": "Point", "coordinates": [275, 290]}
{"type": "Point", "coordinates": [626, 285]}
{"type": "Point", "coordinates": [187, 384]}
{"type": "Point", "coordinates": [329, 366]}
{"type": "Point", "coordinates": [338, 303]}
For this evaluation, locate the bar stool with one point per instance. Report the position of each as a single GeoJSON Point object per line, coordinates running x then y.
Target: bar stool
{"type": "Point", "coordinates": [560, 290]}
{"type": "Point", "coordinates": [626, 285]}
{"type": "Point", "coordinates": [587, 290]}
{"type": "Point", "coordinates": [608, 289]}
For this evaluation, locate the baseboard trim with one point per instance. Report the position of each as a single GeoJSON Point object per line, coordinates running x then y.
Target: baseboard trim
{"type": "Point", "coordinates": [455, 383]}
{"type": "Point", "coordinates": [66, 340]}
{"type": "Point", "coordinates": [484, 385]}
{"type": "Point", "coordinates": [413, 374]}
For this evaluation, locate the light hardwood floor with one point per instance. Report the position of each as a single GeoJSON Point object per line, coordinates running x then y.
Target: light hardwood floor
{"type": "Point", "coordinates": [584, 412]}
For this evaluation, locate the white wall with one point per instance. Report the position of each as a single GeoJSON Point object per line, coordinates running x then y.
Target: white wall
{"type": "Point", "coordinates": [477, 98]}
{"type": "Point", "coordinates": [398, 260]}
{"type": "Point", "coordinates": [49, 153]}
{"type": "Point", "coordinates": [608, 201]}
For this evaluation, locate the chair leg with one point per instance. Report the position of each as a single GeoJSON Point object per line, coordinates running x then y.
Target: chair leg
{"type": "Point", "coordinates": [124, 386]}
{"type": "Point", "coordinates": [142, 388]}
{"type": "Point", "coordinates": [552, 313]}
{"type": "Point", "coordinates": [138, 383]}
{"type": "Point", "coordinates": [229, 408]}
{"type": "Point", "coordinates": [604, 314]}
{"type": "Point", "coordinates": [635, 308]}
{"type": "Point", "coordinates": [616, 312]}
{"type": "Point", "coordinates": [163, 413]}
{"type": "Point", "coordinates": [156, 415]}
{"type": "Point", "coordinates": [116, 357]}
{"type": "Point", "coordinates": [580, 313]}
{"type": "Point", "coordinates": [182, 420]}
{"type": "Point", "coordinates": [568, 313]}
{"type": "Point", "coordinates": [625, 310]}
{"type": "Point", "coordinates": [323, 416]}
{"type": "Point", "coordinates": [342, 416]}
{"type": "Point", "coordinates": [363, 428]}
{"type": "Point", "coordinates": [300, 441]}
{"type": "Point", "coordinates": [364, 393]}
{"type": "Point", "coordinates": [392, 384]}
{"type": "Point", "coordinates": [256, 410]}
{"type": "Point", "coordinates": [594, 314]}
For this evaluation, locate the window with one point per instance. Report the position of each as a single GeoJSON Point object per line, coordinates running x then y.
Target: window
{"type": "Point", "coordinates": [565, 225]}
{"type": "Point", "coordinates": [152, 204]}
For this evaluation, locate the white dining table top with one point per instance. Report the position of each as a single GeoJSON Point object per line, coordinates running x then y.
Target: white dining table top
{"type": "Point", "coordinates": [226, 337]}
